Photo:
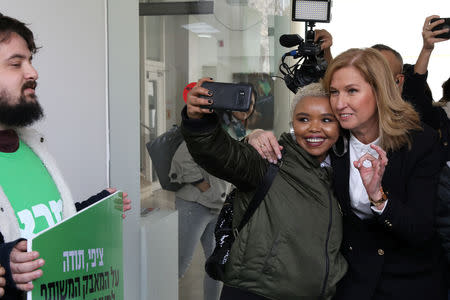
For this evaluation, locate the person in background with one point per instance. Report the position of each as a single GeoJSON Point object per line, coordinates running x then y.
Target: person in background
{"type": "Point", "coordinates": [198, 203]}
{"type": "Point", "coordinates": [236, 122]}
{"type": "Point", "coordinates": [290, 247]}
{"type": "Point", "coordinates": [412, 81]}
{"type": "Point", "coordinates": [444, 102]}
{"type": "Point", "coordinates": [443, 220]}
{"type": "Point", "coordinates": [414, 89]}
{"type": "Point", "coordinates": [29, 178]}
{"type": "Point", "coordinates": [446, 91]}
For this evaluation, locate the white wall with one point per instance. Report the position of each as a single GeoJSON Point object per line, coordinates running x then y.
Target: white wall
{"type": "Point", "coordinates": [396, 23]}
{"type": "Point", "coordinates": [74, 91]}
{"type": "Point", "coordinates": [71, 85]}
{"type": "Point", "coordinates": [123, 75]}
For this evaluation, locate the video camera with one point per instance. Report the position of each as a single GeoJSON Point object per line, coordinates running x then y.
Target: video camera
{"type": "Point", "coordinates": [311, 65]}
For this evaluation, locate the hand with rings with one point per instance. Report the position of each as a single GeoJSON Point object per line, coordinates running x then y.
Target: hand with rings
{"type": "Point", "coordinates": [371, 170]}
{"type": "Point", "coordinates": [266, 144]}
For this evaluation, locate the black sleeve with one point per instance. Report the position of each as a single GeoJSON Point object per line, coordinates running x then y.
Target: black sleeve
{"type": "Point", "coordinates": [411, 210]}
{"type": "Point", "coordinates": [220, 155]}
{"type": "Point", "coordinates": [416, 92]}
{"type": "Point", "coordinates": [93, 199]}
{"type": "Point", "coordinates": [5, 251]}
{"type": "Point", "coordinates": [443, 213]}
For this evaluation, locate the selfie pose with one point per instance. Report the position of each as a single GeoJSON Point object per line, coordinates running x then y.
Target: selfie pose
{"type": "Point", "coordinates": [390, 241]}
{"type": "Point", "coordinates": [290, 246]}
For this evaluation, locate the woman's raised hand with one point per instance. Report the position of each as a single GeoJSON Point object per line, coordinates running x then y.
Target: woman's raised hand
{"type": "Point", "coordinates": [371, 170]}
{"type": "Point", "coordinates": [196, 104]}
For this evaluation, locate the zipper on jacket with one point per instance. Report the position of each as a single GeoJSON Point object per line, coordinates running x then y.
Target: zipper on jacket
{"type": "Point", "coordinates": [327, 259]}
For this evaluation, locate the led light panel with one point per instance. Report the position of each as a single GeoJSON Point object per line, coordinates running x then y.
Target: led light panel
{"type": "Point", "coordinates": [318, 11]}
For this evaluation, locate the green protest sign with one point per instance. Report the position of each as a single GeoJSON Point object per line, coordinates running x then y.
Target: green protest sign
{"type": "Point", "coordinates": [83, 255]}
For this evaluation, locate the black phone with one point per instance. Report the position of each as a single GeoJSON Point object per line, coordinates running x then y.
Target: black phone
{"type": "Point", "coordinates": [444, 25]}
{"type": "Point", "coordinates": [229, 96]}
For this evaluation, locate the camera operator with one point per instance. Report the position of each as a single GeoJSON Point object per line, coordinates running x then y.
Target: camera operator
{"type": "Point", "coordinates": [325, 40]}
{"type": "Point", "coordinates": [313, 54]}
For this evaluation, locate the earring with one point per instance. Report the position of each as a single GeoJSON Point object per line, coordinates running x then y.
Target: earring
{"type": "Point", "coordinates": [291, 131]}
{"type": "Point", "coordinates": [341, 142]}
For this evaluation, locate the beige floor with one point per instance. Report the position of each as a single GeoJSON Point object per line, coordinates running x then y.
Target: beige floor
{"type": "Point", "coordinates": [191, 285]}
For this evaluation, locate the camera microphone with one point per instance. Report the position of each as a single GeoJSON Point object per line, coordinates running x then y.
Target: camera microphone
{"type": "Point", "coordinates": [309, 68]}
{"type": "Point", "coordinates": [290, 40]}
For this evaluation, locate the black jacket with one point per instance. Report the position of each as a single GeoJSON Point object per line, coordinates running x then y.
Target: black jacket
{"type": "Point", "coordinates": [443, 219]}
{"type": "Point", "coordinates": [396, 255]}
{"type": "Point", "coordinates": [417, 92]}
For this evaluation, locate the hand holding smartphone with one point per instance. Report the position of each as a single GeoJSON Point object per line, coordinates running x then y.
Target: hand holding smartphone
{"type": "Point", "coordinates": [229, 96]}
{"type": "Point", "coordinates": [444, 25]}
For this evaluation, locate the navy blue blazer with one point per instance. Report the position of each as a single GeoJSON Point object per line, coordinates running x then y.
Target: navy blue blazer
{"type": "Point", "coordinates": [395, 255]}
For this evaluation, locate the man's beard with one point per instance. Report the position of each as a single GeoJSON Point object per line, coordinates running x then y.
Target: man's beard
{"type": "Point", "coordinates": [21, 114]}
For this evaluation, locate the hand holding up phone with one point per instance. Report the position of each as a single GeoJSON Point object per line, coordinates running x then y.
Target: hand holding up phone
{"type": "Point", "coordinates": [435, 29]}
{"type": "Point", "coordinates": [443, 26]}
{"type": "Point", "coordinates": [218, 96]}
{"type": "Point", "coordinates": [197, 106]}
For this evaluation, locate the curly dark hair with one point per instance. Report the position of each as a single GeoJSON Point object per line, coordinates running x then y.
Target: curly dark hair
{"type": "Point", "coordinates": [10, 25]}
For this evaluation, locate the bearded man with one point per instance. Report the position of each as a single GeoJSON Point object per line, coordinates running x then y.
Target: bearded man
{"type": "Point", "coordinates": [33, 193]}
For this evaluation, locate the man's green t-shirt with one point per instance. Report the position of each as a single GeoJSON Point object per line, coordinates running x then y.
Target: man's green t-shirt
{"type": "Point", "coordinates": [31, 191]}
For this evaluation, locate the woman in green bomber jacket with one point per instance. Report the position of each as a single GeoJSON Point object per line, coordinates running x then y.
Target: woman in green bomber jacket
{"type": "Point", "coordinates": [290, 247]}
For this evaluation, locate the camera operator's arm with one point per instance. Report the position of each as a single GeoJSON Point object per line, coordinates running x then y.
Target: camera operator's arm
{"type": "Point", "coordinates": [327, 42]}
{"type": "Point", "coordinates": [429, 39]}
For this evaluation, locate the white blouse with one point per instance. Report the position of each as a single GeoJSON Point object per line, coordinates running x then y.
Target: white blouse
{"type": "Point", "coordinates": [359, 200]}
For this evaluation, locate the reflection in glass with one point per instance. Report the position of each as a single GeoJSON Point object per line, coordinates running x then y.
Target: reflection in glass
{"type": "Point", "coordinates": [237, 43]}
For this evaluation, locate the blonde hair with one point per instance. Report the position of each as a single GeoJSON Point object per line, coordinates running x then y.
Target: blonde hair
{"type": "Point", "coordinates": [315, 89]}
{"type": "Point", "coordinates": [396, 118]}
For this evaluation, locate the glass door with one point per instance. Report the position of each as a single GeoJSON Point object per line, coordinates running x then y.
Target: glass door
{"type": "Point", "coordinates": [153, 121]}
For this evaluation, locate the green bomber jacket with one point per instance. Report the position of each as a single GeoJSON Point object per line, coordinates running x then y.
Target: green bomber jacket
{"type": "Point", "coordinates": [289, 249]}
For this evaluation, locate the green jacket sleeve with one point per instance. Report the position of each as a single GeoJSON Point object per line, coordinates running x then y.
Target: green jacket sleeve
{"type": "Point", "coordinates": [220, 155]}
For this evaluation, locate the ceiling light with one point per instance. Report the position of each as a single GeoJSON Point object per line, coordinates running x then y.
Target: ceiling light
{"type": "Point", "coordinates": [200, 28]}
